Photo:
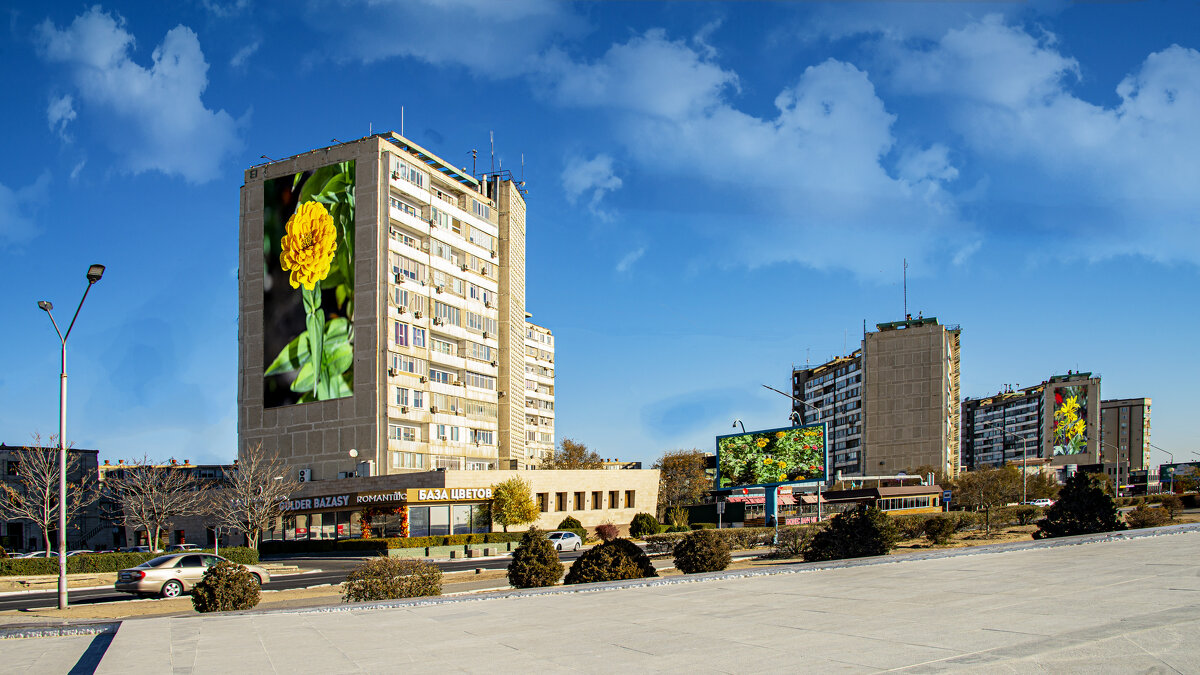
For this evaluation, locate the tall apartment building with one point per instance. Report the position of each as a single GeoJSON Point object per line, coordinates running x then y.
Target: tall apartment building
{"type": "Point", "coordinates": [382, 312]}
{"type": "Point", "coordinates": [539, 392]}
{"type": "Point", "coordinates": [893, 404]}
{"type": "Point", "coordinates": [1125, 432]}
{"type": "Point", "coordinates": [1055, 421]}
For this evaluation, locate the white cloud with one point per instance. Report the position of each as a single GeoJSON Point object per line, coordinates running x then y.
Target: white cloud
{"type": "Point", "coordinates": [17, 208]}
{"type": "Point", "coordinates": [593, 177]}
{"type": "Point", "coordinates": [627, 261]}
{"type": "Point", "coordinates": [60, 113]}
{"type": "Point", "coordinates": [153, 118]}
{"type": "Point", "coordinates": [239, 59]}
{"type": "Point", "coordinates": [806, 181]}
{"type": "Point", "coordinates": [1114, 180]}
{"type": "Point", "coordinates": [78, 168]}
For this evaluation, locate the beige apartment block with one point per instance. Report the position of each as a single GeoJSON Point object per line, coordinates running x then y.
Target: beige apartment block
{"type": "Point", "coordinates": [424, 301]}
{"type": "Point", "coordinates": [911, 396]}
{"type": "Point", "coordinates": [539, 392]}
{"type": "Point", "coordinates": [1125, 432]}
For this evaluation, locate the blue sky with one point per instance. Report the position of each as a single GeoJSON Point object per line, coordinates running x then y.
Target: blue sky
{"type": "Point", "coordinates": [717, 191]}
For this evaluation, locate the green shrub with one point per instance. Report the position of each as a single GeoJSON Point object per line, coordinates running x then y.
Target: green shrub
{"type": "Point", "coordinates": [911, 526]}
{"type": "Point", "coordinates": [1147, 516]}
{"type": "Point", "coordinates": [607, 532]}
{"type": "Point", "coordinates": [225, 587]}
{"type": "Point", "coordinates": [1004, 516]}
{"type": "Point", "coordinates": [854, 534]}
{"type": "Point", "coordinates": [737, 538]}
{"type": "Point", "coordinates": [939, 529]}
{"type": "Point", "coordinates": [613, 560]}
{"type": "Point", "coordinates": [1026, 513]}
{"type": "Point", "coordinates": [643, 524]}
{"type": "Point", "coordinates": [1172, 504]}
{"type": "Point", "coordinates": [390, 578]}
{"type": "Point", "coordinates": [242, 555]}
{"type": "Point", "coordinates": [965, 520]}
{"type": "Point", "coordinates": [793, 540]}
{"type": "Point", "coordinates": [1083, 507]}
{"type": "Point", "coordinates": [703, 526]}
{"type": "Point", "coordinates": [535, 562]}
{"type": "Point", "coordinates": [702, 551]}
{"type": "Point", "coordinates": [677, 528]}
{"type": "Point", "coordinates": [568, 523]}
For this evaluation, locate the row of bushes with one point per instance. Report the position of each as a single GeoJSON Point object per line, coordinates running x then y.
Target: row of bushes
{"type": "Point", "coordinates": [91, 563]}
{"type": "Point", "coordinates": [379, 545]}
{"type": "Point", "coordinates": [734, 537]}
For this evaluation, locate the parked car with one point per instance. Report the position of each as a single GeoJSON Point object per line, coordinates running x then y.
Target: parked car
{"type": "Point", "coordinates": [1041, 502]}
{"type": "Point", "coordinates": [174, 574]}
{"type": "Point", "coordinates": [134, 549]}
{"type": "Point", "coordinates": [565, 541]}
{"type": "Point", "coordinates": [182, 547]}
{"type": "Point", "coordinates": [35, 554]}
{"type": "Point", "coordinates": [79, 552]}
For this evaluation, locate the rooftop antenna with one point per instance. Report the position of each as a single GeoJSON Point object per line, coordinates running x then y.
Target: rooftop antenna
{"type": "Point", "coordinates": [401, 120]}
{"type": "Point", "coordinates": [906, 288]}
{"type": "Point", "coordinates": [474, 155]}
{"type": "Point", "coordinates": [492, 142]}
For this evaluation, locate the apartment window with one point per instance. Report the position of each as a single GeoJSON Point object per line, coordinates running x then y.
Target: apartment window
{"type": "Point", "coordinates": [543, 502]}
{"type": "Point", "coordinates": [482, 238]}
{"type": "Point", "coordinates": [406, 267]}
{"type": "Point", "coordinates": [443, 347]}
{"type": "Point", "coordinates": [408, 460]}
{"type": "Point", "coordinates": [629, 495]}
{"type": "Point", "coordinates": [531, 435]}
{"type": "Point", "coordinates": [407, 364]}
{"type": "Point", "coordinates": [402, 432]}
{"type": "Point", "coordinates": [418, 398]}
{"type": "Point", "coordinates": [400, 333]}
{"type": "Point", "coordinates": [405, 207]}
{"type": "Point", "coordinates": [399, 296]}
{"type": "Point", "coordinates": [442, 376]}
{"type": "Point", "coordinates": [597, 500]}
{"type": "Point", "coordinates": [482, 437]}
{"type": "Point", "coordinates": [579, 499]}
{"type": "Point", "coordinates": [560, 501]}
{"type": "Point", "coordinates": [479, 409]}
{"type": "Point", "coordinates": [479, 352]}
{"type": "Point", "coordinates": [409, 173]}
{"type": "Point", "coordinates": [418, 337]}
{"type": "Point", "coordinates": [440, 218]}
{"type": "Point", "coordinates": [480, 209]}
{"type": "Point", "coordinates": [474, 321]}
{"type": "Point", "coordinates": [482, 381]}
{"type": "Point", "coordinates": [446, 313]}
{"type": "Point", "coordinates": [614, 499]}
{"type": "Point", "coordinates": [401, 396]}
{"type": "Point", "coordinates": [13, 467]}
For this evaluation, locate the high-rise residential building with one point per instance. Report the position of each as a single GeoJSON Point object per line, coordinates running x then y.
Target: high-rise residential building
{"type": "Point", "coordinates": [539, 392]}
{"type": "Point", "coordinates": [892, 405]}
{"type": "Point", "coordinates": [382, 313]}
{"type": "Point", "coordinates": [1054, 422]}
{"type": "Point", "coordinates": [1125, 433]}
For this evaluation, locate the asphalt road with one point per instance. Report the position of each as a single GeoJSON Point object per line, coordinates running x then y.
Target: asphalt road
{"type": "Point", "coordinates": [333, 571]}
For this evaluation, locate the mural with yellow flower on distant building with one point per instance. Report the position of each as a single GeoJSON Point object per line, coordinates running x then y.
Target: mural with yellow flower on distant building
{"type": "Point", "coordinates": [1070, 421]}
{"type": "Point", "coordinates": [308, 286]}
{"type": "Point", "coordinates": [772, 456]}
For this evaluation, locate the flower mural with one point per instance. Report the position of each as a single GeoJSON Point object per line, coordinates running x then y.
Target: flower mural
{"type": "Point", "coordinates": [1070, 421]}
{"type": "Point", "coordinates": [308, 286]}
{"type": "Point", "coordinates": [775, 456]}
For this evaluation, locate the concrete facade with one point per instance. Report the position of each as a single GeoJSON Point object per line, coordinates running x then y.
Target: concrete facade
{"type": "Point", "coordinates": [1125, 432]}
{"type": "Point", "coordinates": [832, 392]}
{"type": "Point", "coordinates": [539, 392]}
{"type": "Point", "coordinates": [87, 531]}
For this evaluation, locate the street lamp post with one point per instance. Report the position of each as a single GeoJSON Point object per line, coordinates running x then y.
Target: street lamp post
{"type": "Point", "coordinates": [1117, 468]}
{"type": "Point", "coordinates": [93, 275]}
{"type": "Point", "coordinates": [1172, 471]}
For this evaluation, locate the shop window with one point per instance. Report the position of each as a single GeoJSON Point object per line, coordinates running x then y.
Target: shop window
{"type": "Point", "coordinates": [560, 501]}
{"type": "Point", "coordinates": [629, 495]}
{"type": "Point", "coordinates": [543, 500]}
{"type": "Point", "coordinates": [579, 499]}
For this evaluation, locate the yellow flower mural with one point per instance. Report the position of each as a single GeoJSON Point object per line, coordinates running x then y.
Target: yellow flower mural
{"type": "Point", "coordinates": [309, 245]}
{"type": "Point", "coordinates": [1070, 421]}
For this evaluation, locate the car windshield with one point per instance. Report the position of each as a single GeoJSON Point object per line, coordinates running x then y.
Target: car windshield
{"type": "Point", "coordinates": [556, 535]}
{"type": "Point", "coordinates": [158, 561]}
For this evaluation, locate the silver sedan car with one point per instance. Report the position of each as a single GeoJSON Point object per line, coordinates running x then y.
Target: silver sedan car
{"type": "Point", "coordinates": [172, 575]}
{"type": "Point", "coordinates": [565, 541]}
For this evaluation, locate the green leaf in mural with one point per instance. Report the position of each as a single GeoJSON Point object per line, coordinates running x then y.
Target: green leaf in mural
{"type": "Point", "coordinates": [304, 379]}
{"type": "Point", "coordinates": [290, 358]}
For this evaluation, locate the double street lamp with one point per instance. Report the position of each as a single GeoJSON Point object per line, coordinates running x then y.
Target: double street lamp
{"type": "Point", "coordinates": [93, 275]}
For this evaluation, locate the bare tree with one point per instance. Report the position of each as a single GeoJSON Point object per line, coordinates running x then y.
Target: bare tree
{"type": "Point", "coordinates": [34, 496]}
{"type": "Point", "coordinates": [153, 497]}
{"type": "Point", "coordinates": [253, 496]}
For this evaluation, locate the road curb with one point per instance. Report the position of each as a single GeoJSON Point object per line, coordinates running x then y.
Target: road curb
{"type": "Point", "coordinates": [14, 633]}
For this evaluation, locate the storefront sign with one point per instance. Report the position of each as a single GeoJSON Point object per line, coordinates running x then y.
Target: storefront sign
{"type": "Point", "coordinates": [449, 494]}
{"type": "Point", "coordinates": [381, 497]}
{"type": "Point", "coordinates": [316, 503]}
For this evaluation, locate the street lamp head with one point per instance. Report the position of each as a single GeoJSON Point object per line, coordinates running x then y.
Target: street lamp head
{"type": "Point", "coordinates": [45, 305]}
{"type": "Point", "coordinates": [94, 273]}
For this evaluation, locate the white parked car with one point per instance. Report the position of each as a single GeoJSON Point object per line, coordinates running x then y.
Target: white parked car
{"type": "Point", "coordinates": [565, 541]}
{"type": "Point", "coordinates": [1042, 502]}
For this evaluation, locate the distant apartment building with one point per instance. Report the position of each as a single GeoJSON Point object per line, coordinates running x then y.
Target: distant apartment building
{"type": "Point", "coordinates": [1125, 432]}
{"type": "Point", "coordinates": [1055, 422]}
{"type": "Point", "coordinates": [539, 392]}
{"type": "Point", "coordinates": [891, 405]}
{"type": "Point", "coordinates": [87, 530]}
{"type": "Point", "coordinates": [382, 315]}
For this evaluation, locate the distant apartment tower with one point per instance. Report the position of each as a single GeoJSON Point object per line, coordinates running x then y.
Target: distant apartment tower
{"type": "Point", "coordinates": [892, 405]}
{"type": "Point", "coordinates": [539, 392]}
{"type": "Point", "coordinates": [409, 274]}
{"type": "Point", "coordinates": [1125, 432]}
{"type": "Point", "coordinates": [1055, 421]}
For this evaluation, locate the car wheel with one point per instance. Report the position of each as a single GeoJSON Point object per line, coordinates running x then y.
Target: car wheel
{"type": "Point", "coordinates": [257, 579]}
{"type": "Point", "coordinates": [558, 547]}
{"type": "Point", "coordinates": [576, 546]}
{"type": "Point", "coordinates": [172, 589]}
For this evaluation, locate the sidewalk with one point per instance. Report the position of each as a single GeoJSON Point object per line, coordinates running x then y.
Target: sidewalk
{"type": "Point", "coordinates": [1108, 605]}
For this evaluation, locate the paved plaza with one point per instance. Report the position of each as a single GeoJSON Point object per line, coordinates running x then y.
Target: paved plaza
{"type": "Point", "coordinates": [1122, 605]}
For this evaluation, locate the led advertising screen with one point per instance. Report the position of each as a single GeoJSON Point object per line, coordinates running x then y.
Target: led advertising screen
{"type": "Point", "coordinates": [1070, 420]}
{"type": "Point", "coordinates": [772, 456]}
{"type": "Point", "coordinates": [308, 286]}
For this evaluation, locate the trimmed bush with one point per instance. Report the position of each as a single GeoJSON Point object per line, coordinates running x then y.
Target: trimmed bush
{"type": "Point", "coordinates": [613, 560]}
{"type": "Point", "coordinates": [94, 563]}
{"type": "Point", "coordinates": [1147, 516]}
{"type": "Point", "coordinates": [939, 530]}
{"type": "Point", "coordinates": [736, 537]}
{"type": "Point", "coordinates": [607, 532]}
{"type": "Point", "coordinates": [391, 578]}
{"type": "Point", "coordinates": [911, 526]}
{"type": "Point", "coordinates": [702, 551]}
{"type": "Point", "coordinates": [1083, 507]}
{"type": "Point", "coordinates": [535, 562]}
{"type": "Point", "coordinates": [643, 524]}
{"type": "Point", "coordinates": [965, 520]}
{"type": "Point", "coordinates": [568, 523]}
{"type": "Point", "coordinates": [854, 534]}
{"type": "Point", "coordinates": [677, 528]}
{"type": "Point", "coordinates": [793, 540]}
{"type": "Point", "coordinates": [1026, 513]}
{"type": "Point", "coordinates": [225, 587]}
{"type": "Point", "coordinates": [703, 526]}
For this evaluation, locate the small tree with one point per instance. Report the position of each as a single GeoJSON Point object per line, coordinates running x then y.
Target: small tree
{"type": "Point", "coordinates": [570, 523]}
{"type": "Point", "coordinates": [643, 524]}
{"type": "Point", "coordinates": [1146, 516]}
{"type": "Point", "coordinates": [34, 495]}
{"type": "Point", "coordinates": [939, 530]}
{"type": "Point", "coordinates": [152, 497]}
{"type": "Point", "coordinates": [1082, 508]}
{"type": "Point", "coordinates": [512, 503]}
{"type": "Point", "coordinates": [987, 489]}
{"type": "Point", "coordinates": [607, 532]}
{"type": "Point", "coordinates": [225, 587]}
{"type": "Point", "coordinates": [702, 551]}
{"type": "Point", "coordinates": [865, 531]}
{"type": "Point", "coordinates": [1172, 504]}
{"type": "Point", "coordinates": [571, 454]}
{"type": "Point", "coordinates": [253, 495]}
{"type": "Point", "coordinates": [535, 562]}
{"type": "Point", "coordinates": [683, 478]}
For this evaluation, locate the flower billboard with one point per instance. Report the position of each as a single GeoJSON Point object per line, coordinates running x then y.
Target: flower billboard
{"type": "Point", "coordinates": [1070, 420]}
{"type": "Point", "coordinates": [787, 455]}
{"type": "Point", "coordinates": [308, 286]}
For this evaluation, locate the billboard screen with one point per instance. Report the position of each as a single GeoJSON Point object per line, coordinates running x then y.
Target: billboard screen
{"type": "Point", "coordinates": [772, 456]}
{"type": "Point", "coordinates": [308, 286]}
{"type": "Point", "coordinates": [1070, 420]}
